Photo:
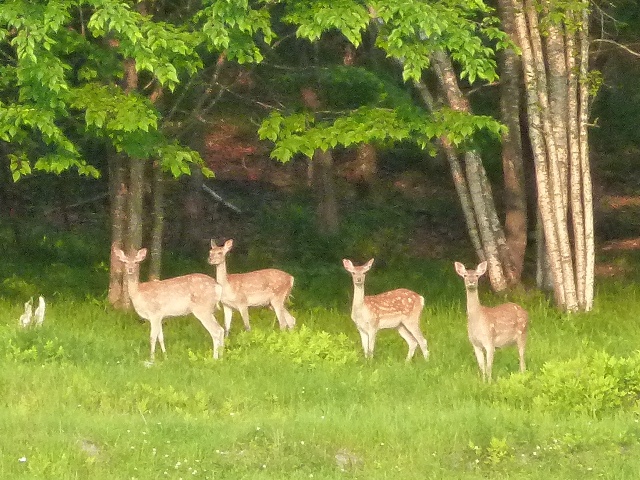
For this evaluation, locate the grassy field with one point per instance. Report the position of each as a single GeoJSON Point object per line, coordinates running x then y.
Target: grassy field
{"type": "Point", "coordinates": [78, 400]}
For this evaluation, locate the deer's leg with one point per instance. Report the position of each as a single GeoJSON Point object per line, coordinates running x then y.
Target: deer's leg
{"type": "Point", "coordinates": [521, 340]}
{"type": "Point", "coordinates": [410, 339]}
{"type": "Point", "coordinates": [372, 342]}
{"type": "Point", "coordinates": [490, 351]}
{"type": "Point", "coordinates": [481, 362]}
{"type": "Point", "coordinates": [364, 338]}
{"type": "Point", "coordinates": [289, 319]}
{"type": "Point", "coordinates": [156, 327]}
{"type": "Point", "coordinates": [419, 337]}
{"type": "Point", "coordinates": [278, 307]}
{"type": "Point", "coordinates": [244, 313]}
{"type": "Point", "coordinates": [161, 340]}
{"type": "Point", "coordinates": [217, 333]}
{"type": "Point", "coordinates": [228, 313]}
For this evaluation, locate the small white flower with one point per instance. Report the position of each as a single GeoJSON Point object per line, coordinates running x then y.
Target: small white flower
{"type": "Point", "coordinates": [22, 459]}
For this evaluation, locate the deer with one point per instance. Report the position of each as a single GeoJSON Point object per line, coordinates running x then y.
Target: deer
{"type": "Point", "coordinates": [251, 289]}
{"type": "Point", "coordinates": [156, 300]}
{"type": "Point", "coordinates": [400, 309]}
{"type": "Point", "coordinates": [491, 327]}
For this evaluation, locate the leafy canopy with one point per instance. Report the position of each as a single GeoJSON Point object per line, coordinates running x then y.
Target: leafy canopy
{"type": "Point", "coordinates": [61, 80]}
{"type": "Point", "coordinates": [408, 32]}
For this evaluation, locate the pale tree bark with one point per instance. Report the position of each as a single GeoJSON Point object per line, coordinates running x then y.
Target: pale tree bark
{"type": "Point", "coordinates": [457, 174]}
{"type": "Point", "coordinates": [587, 187]}
{"type": "Point", "coordinates": [491, 235]}
{"type": "Point", "coordinates": [554, 126]}
{"type": "Point", "coordinates": [581, 187]}
{"type": "Point", "coordinates": [539, 149]}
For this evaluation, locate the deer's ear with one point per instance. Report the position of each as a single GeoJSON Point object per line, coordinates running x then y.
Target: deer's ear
{"type": "Point", "coordinates": [120, 255]}
{"type": "Point", "coordinates": [213, 243]}
{"type": "Point", "coordinates": [460, 269]}
{"type": "Point", "coordinates": [141, 255]}
{"type": "Point", "coordinates": [369, 264]}
{"type": "Point", "coordinates": [228, 244]}
{"type": "Point", "coordinates": [348, 266]}
{"type": "Point", "coordinates": [481, 268]}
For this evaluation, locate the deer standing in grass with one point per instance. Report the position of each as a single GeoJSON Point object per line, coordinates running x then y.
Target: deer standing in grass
{"type": "Point", "coordinates": [195, 293]}
{"type": "Point", "coordinates": [399, 309]}
{"type": "Point", "coordinates": [251, 289]}
{"type": "Point", "coordinates": [491, 327]}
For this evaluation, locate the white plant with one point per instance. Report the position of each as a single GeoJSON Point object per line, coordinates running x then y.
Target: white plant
{"type": "Point", "coordinates": [25, 318]}
{"type": "Point", "coordinates": [38, 315]}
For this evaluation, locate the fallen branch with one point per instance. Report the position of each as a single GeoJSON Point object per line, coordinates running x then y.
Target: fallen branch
{"type": "Point", "coordinates": [220, 199]}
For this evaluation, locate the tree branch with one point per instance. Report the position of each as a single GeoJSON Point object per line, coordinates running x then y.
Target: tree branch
{"type": "Point", "coordinates": [619, 45]}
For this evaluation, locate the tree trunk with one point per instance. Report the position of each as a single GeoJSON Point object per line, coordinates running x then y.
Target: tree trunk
{"type": "Point", "coordinates": [321, 177]}
{"type": "Point", "coordinates": [557, 127]}
{"type": "Point", "coordinates": [193, 211]}
{"type": "Point", "coordinates": [155, 260]}
{"type": "Point", "coordinates": [135, 202]}
{"type": "Point", "coordinates": [324, 185]}
{"type": "Point", "coordinates": [515, 197]}
{"type": "Point", "coordinates": [457, 174]}
{"type": "Point", "coordinates": [587, 187]}
{"type": "Point", "coordinates": [118, 295]}
{"type": "Point", "coordinates": [480, 194]}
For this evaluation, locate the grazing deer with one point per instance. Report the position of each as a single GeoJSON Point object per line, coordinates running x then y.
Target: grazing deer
{"type": "Point", "coordinates": [258, 288]}
{"type": "Point", "coordinates": [491, 327]}
{"type": "Point", "coordinates": [195, 293]}
{"type": "Point", "coordinates": [399, 309]}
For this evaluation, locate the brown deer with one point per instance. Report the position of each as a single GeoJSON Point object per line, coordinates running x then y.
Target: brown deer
{"type": "Point", "coordinates": [251, 289]}
{"type": "Point", "coordinates": [491, 327]}
{"type": "Point", "coordinates": [399, 309]}
{"type": "Point", "coordinates": [195, 293]}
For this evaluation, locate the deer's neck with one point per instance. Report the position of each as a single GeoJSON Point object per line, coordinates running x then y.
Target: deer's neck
{"type": "Point", "coordinates": [358, 300]}
{"type": "Point", "coordinates": [133, 282]}
{"type": "Point", "coordinates": [221, 274]}
{"type": "Point", "coordinates": [473, 303]}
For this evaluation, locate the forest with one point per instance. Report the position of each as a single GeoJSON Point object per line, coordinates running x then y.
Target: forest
{"type": "Point", "coordinates": [289, 239]}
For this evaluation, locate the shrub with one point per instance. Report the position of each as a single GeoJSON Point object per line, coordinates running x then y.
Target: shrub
{"type": "Point", "coordinates": [302, 346]}
{"type": "Point", "coordinates": [592, 383]}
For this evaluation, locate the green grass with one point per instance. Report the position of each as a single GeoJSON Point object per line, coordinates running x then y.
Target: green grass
{"type": "Point", "coordinates": [77, 400]}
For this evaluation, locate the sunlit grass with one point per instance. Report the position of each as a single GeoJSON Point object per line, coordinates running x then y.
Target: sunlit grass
{"type": "Point", "coordinates": [78, 400]}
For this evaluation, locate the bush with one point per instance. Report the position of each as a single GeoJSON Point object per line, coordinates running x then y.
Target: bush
{"type": "Point", "coordinates": [302, 346]}
{"type": "Point", "coordinates": [592, 383]}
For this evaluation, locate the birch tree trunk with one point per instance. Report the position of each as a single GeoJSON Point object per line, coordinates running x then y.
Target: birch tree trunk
{"type": "Point", "coordinates": [491, 233]}
{"type": "Point", "coordinates": [556, 124]}
{"type": "Point", "coordinates": [459, 179]}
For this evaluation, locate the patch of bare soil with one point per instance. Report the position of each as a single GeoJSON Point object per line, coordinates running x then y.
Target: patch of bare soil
{"type": "Point", "coordinates": [616, 201]}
